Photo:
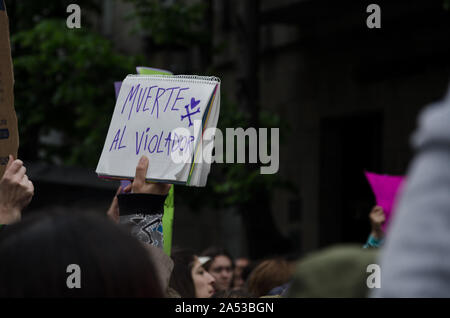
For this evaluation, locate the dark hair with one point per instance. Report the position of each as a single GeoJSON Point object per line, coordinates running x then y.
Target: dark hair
{"type": "Point", "coordinates": [35, 255]}
{"type": "Point", "coordinates": [181, 279]}
{"type": "Point", "coordinates": [213, 252]}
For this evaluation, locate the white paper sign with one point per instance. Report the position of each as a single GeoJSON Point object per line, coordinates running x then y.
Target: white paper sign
{"type": "Point", "coordinates": [161, 117]}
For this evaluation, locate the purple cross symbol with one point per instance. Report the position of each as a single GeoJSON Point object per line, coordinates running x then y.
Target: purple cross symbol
{"type": "Point", "coordinates": [194, 103]}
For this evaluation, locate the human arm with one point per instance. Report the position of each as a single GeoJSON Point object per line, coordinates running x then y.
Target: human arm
{"type": "Point", "coordinates": [141, 206]}
{"type": "Point", "coordinates": [377, 218]}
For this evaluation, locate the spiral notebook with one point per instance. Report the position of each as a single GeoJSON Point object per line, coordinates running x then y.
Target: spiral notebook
{"type": "Point", "coordinates": [163, 117]}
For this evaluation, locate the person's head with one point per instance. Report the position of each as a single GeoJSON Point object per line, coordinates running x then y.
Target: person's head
{"type": "Point", "coordinates": [269, 274]}
{"type": "Point", "coordinates": [220, 266]}
{"type": "Point", "coordinates": [189, 278]}
{"type": "Point", "coordinates": [337, 271]}
{"type": "Point", "coordinates": [239, 265]}
{"type": "Point", "coordinates": [51, 254]}
{"type": "Point", "coordinates": [241, 262]}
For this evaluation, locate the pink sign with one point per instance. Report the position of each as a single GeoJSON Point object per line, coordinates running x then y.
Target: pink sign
{"type": "Point", "coordinates": [385, 188]}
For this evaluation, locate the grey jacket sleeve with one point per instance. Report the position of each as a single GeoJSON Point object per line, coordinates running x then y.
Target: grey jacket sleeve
{"type": "Point", "coordinates": [415, 261]}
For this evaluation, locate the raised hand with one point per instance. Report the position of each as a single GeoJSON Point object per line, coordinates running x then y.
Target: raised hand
{"type": "Point", "coordinates": [377, 219]}
{"type": "Point", "coordinates": [139, 185]}
{"type": "Point", "coordinates": [16, 191]}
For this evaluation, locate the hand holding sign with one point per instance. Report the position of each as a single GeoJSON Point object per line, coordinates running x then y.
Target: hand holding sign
{"type": "Point", "coordinates": [385, 189]}
{"type": "Point", "coordinates": [139, 185]}
{"type": "Point", "coordinates": [377, 219]}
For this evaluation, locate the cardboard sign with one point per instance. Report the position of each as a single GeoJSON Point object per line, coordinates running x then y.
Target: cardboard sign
{"type": "Point", "coordinates": [9, 136]}
{"type": "Point", "coordinates": [162, 117]}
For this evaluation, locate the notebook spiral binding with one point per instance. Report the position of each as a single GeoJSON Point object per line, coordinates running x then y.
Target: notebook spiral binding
{"type": "Point", "coordinates": [188, 77]}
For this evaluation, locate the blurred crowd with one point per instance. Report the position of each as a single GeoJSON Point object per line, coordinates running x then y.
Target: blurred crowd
{"type": "Point", "coordinates": [120, 253]}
